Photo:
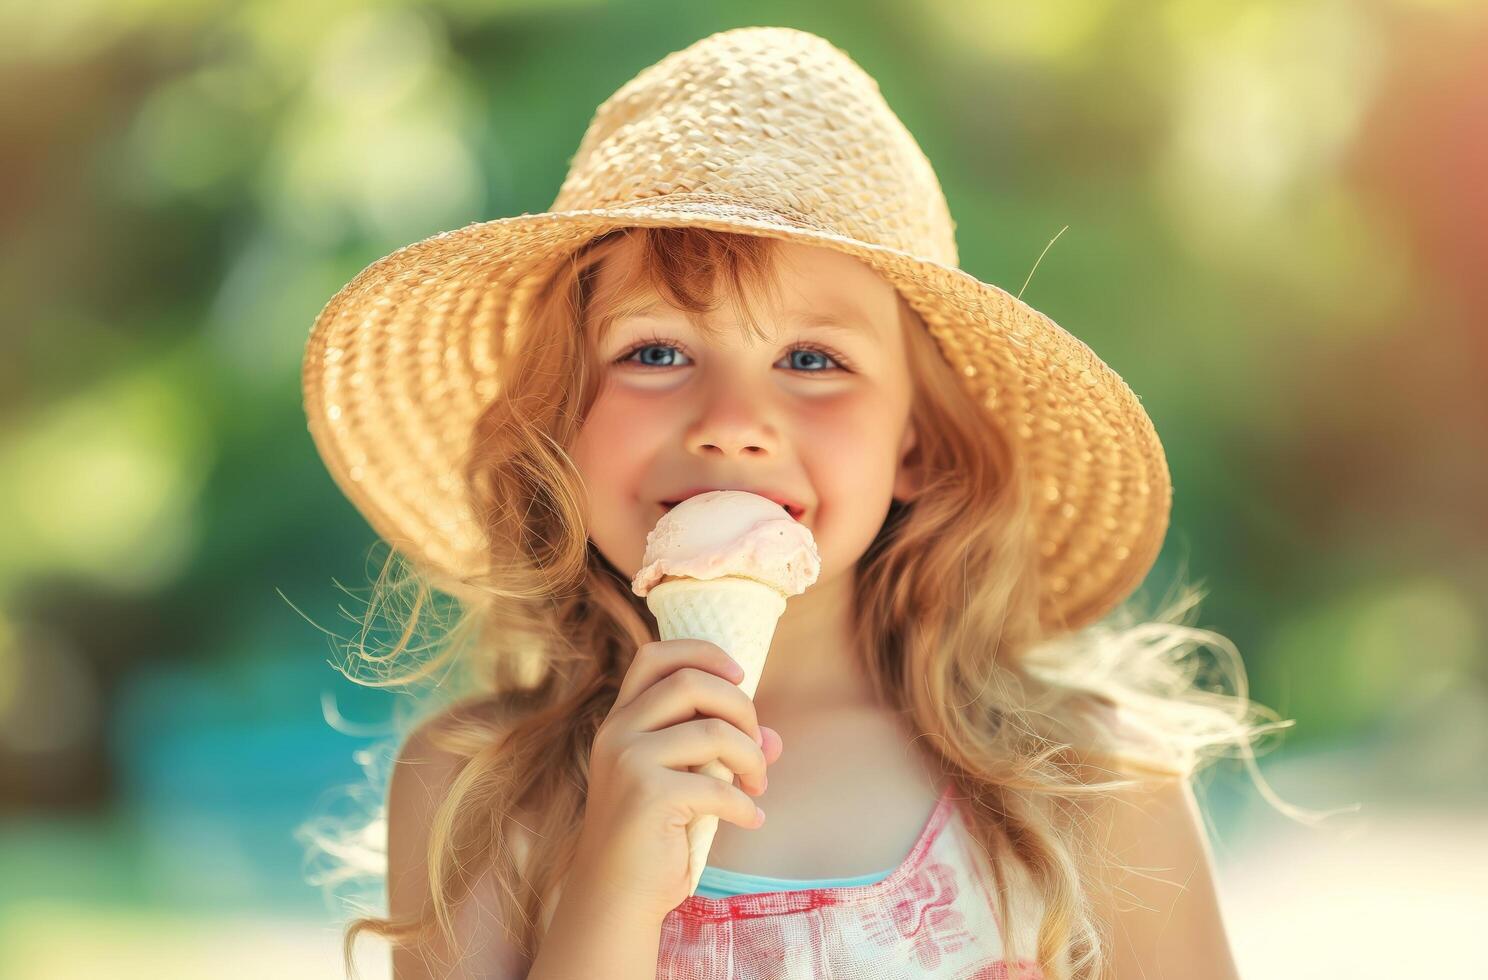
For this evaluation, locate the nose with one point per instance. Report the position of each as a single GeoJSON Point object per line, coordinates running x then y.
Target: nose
{"type": "Point", "coordinates": [733, 423]}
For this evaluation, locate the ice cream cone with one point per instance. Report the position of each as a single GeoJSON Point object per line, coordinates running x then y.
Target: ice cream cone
{"type": "Point", "coordinates": [739, 615]}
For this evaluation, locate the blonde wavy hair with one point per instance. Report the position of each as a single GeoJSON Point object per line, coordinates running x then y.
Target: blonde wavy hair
{"type": "Point", "coordinates": [1022, 721]}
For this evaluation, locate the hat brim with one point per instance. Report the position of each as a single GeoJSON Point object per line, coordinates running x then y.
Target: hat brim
{"type": "Point", "coordinates": [403, 358]}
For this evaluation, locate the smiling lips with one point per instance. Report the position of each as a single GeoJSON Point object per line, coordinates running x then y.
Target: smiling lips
{"type": "Point", "coordinates": [792, 508]}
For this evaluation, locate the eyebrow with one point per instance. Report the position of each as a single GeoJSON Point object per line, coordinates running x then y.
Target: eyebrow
{"type": "Point", "coordinates": [856, 323]}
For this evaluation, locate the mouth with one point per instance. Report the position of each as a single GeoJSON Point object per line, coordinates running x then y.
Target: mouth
{"type": "Point", "coordinates": [795, 512]}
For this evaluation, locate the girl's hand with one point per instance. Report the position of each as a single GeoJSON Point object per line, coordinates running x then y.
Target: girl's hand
{"type": "Point", "coordinates": [632, 848]}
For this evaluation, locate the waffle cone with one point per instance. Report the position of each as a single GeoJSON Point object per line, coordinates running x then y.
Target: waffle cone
{"type": "Point", "coordinates": [738, 614]}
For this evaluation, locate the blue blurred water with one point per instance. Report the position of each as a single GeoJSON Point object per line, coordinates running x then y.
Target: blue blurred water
{"type": "Point", "coordinates": [217, 765]}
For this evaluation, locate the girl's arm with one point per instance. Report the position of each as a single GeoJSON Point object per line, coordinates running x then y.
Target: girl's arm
{"type": "Point", "coordinates": [1166, 908]}
{"type": "Point", "coordinates": [591, 934]}
{"type": "Point", "coordinates": [420, 780]}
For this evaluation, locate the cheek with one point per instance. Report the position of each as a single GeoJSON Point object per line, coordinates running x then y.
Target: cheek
{"type": "Point", "coordinates": [613, 441]}
{"type": "Point", "coordinates": [849, 430]}
{"type": "Point", "coordinates": [845, 450]}
{"type": "Point", "coordinates": [831, 446]}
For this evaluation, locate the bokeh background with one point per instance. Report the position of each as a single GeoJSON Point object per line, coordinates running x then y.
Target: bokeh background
{"type": "Point", "coordinates": [1271, 220]}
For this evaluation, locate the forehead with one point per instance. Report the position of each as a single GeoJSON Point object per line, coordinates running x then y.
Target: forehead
{"type": "Point", "coordinates": [847, 318]}
{"type": "Point", "coordinates": [816, 288]}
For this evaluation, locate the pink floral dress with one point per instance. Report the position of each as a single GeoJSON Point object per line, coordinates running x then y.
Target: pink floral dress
{"type": "Point", "coordinates": [931, 918]}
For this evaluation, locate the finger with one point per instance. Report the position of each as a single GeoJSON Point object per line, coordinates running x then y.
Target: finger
{"type": "Point", "coordinates": [653, 661]}
{"type": "Point", "coordinates": [690, 691]}
{"type": "Point", "coordinates": [703, 795]}
{"type": "Point", "coordinates": [773, 746]}
{"type": "Point", "coordinates": [696, 743]}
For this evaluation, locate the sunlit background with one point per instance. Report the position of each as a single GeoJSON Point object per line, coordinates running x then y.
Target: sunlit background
{"type": "Point", "coordinates": [1274, 228]}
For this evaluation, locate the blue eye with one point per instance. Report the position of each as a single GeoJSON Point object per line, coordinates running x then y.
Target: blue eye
{"type": "Point", "coordinates": [663, 343]}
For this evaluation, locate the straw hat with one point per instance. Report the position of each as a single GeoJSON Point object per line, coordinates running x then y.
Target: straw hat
{"type": "Point", "coordinates": [766, 131]}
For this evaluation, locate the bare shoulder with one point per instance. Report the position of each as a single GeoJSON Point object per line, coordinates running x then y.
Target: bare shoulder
{"type": "Point", "coordinates": [428, 763]}
{"type": "Point", "coordinates": [1164, 903]}
{"type": "Point", "coordinates": [425, 772]}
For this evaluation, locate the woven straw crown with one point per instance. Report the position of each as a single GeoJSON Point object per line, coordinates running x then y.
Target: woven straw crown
{"type": "Point", "coordinates": [778, 119]}
{"type": "Point", "coordinates": [765, 131]}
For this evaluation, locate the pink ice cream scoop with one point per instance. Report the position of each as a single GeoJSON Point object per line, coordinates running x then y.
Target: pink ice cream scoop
{"type": "Point", "coordinates": [730, 533]}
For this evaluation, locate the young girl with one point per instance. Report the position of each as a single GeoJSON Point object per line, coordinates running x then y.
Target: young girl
{"type": "Point", "coordinates": [749, 281]}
